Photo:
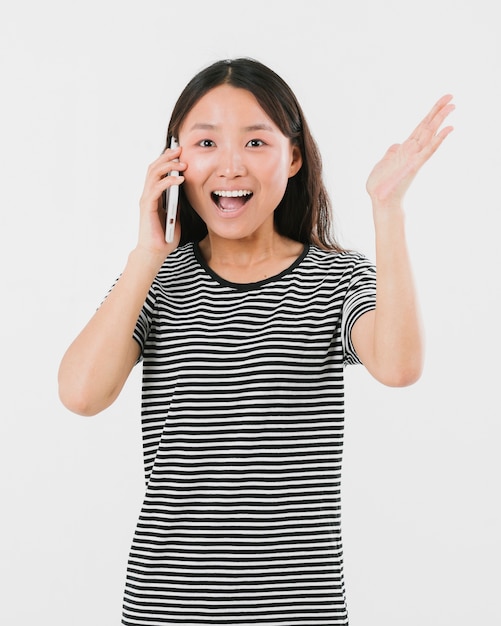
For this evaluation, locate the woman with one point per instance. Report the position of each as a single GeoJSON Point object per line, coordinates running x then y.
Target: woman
{"type": "Point", "coordinates": [244, 324]}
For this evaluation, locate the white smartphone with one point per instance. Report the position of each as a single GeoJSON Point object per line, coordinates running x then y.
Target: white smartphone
{"type": "Point", "coordinates": [171, 201]}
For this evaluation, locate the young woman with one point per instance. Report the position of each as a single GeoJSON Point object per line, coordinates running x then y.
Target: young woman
{"type": "Point", "coordinates": [244, 325]}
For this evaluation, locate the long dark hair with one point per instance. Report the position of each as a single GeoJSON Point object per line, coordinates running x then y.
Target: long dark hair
{"type": "Point", "coordinates": [304, 213]}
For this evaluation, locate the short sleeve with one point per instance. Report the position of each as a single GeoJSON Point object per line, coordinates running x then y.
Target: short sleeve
{"type": "Point", "coordinates": [143, 323]}
{"type": "Point", "coordinates": [360, 298]}
{"type": "Point", "coordinates": [144, 320]}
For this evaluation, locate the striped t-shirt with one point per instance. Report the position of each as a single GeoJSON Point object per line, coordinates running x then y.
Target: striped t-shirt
{"type": "Point", "coordinates": [242, 417]}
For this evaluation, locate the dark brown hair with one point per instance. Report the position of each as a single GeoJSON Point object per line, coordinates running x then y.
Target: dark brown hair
{"type": "Point", "coordinates": [304, 213]}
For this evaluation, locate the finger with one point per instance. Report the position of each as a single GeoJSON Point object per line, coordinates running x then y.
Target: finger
{"type": "Point", "coordinates": [176, 150]}
{"type": "Point", "coordinates": [437, 140]}
{"type": "Point", "coordinates": [426, 131]}
{"type": "Point", "coordinates": [168, 181]}
{"type": "Point", "coordinates": [424, 152]}
{"type": "Point", "coordinates": [437, 107]}
{"type": "Point", "coordinates": [440, 116]}
{"type": "Point", "coordinates": [162, 167]}
{"type": "Point", "coordinates": [427, 128]}
{"type": "Point", "coordinates": [169, 154]}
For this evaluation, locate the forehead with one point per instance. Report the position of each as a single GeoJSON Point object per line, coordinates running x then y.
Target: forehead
{"type": "Point", "coordinates": [227, 105]}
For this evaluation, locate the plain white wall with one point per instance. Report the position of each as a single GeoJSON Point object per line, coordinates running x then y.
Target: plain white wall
{"type": "Point", "coordinates": [86, 94]}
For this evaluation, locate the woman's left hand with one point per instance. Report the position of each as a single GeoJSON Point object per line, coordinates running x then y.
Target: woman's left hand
{"type": "Point", "coordinates": [392, 176]}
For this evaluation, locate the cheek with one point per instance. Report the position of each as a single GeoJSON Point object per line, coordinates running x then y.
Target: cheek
{"type": "Point", "coordinates": [191, 178]}
{"type": "Point", "coordinates": [191, 194]}
{"type": "Point", "coordinates": [278, 169]}
{"type": "Point", "coordinates": [278, 177]}
{"type": "Point", "coordinates": [196, 170]}
{"type": "Point", "coordinates": [193, 186]}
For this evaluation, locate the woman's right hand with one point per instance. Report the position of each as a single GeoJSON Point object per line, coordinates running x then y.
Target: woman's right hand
{"type": "Point", "coordinates": [152, 214]}
{"type": "Point", "coordinates": [97, 363]}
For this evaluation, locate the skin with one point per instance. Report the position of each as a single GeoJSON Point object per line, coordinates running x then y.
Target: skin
{"type": "Point", "coordinates": [389, 340]}
{"type": "Point", "coordinates": [228, 142]}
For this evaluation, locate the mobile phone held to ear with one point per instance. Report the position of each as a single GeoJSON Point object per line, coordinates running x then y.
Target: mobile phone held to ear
{"type": "Point", "coordinates": [171, 201]}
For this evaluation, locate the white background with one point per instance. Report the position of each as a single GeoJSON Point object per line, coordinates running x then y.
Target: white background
{"type": "Point", "coordinates": [86, 93]}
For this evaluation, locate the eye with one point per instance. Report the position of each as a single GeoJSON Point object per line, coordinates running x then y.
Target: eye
{"type": "Point", "coordinates": [206, 143]}
{"type": "Point", "coordinates": [255, 143]}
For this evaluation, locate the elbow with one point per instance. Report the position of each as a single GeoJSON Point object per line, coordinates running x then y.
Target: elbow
{"type": "Point", "coordinates": [402, 379]}
{"type": "Point", "coordinates": [79, 398]}
{"type": "Point", "coordinates": [77, 403]}
{"type": "Point", "coordinates": [401, 376]}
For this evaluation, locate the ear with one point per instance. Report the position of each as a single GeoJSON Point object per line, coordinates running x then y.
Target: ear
{"type": "Point", "coordinates": [296, 162]}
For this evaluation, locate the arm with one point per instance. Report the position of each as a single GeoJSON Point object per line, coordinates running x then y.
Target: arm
{"type": "Point", "coordinates": [389, 339]}
{"type": "Point", "coordinates": [98, 362]}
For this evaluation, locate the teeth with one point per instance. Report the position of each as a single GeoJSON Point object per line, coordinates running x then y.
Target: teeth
{"type": "Point", "coordinates": [233, 194]}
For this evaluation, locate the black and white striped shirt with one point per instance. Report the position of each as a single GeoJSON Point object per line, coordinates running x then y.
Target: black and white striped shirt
{"type": "Point", "coordinates": [242, 417]}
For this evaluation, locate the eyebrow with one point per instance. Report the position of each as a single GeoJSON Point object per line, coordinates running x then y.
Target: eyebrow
{"type": "Point", "coordinates": [253, 127]}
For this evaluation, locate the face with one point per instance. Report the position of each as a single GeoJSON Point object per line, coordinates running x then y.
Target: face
{"type": "Point", "coordinates": [238, 163]}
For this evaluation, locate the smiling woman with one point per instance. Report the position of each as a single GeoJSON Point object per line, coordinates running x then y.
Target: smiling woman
{"type": "Point", "coordinates": [238, 164]}
{"type": "Point", "coordinates": [244, 325]}
{"type": "Point", "coordinates": [304, 212]}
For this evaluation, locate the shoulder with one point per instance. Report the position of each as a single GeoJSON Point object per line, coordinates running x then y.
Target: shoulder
{"type": "Point", "coordinates": [181, 262]}
{"type": "Point", "coordinates": [181, 256]}
{"type": "Point", "coordinates": [334, 262]}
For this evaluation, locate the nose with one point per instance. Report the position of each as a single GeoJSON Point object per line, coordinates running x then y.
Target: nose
{"type": "Point", "coordinates": [231, 163]}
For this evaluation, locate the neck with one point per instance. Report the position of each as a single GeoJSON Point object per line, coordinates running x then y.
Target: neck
{"type": "Point", "coordinates": [241, 252]}
{"type": "Point", "coordinates": [251, 259]}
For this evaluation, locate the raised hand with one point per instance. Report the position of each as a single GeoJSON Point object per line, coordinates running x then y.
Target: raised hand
{"type": "Point", "coordinates": [392, 176]}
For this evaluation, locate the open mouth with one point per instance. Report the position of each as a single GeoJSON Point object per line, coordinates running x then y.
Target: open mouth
{"type": "Point", "coordinates": [231, 201]}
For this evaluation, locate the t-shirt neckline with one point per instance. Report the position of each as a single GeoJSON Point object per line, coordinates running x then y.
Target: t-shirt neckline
{"type": "Point", "coordinates": [247, 286]}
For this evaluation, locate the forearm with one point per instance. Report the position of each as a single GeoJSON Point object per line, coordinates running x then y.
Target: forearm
{"type": "Point", "coordinates": [98, 362]}
{"type": "Point", "coordinates": [397, 338]}
{"type": "Point", "coordinates": [389, 340]}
